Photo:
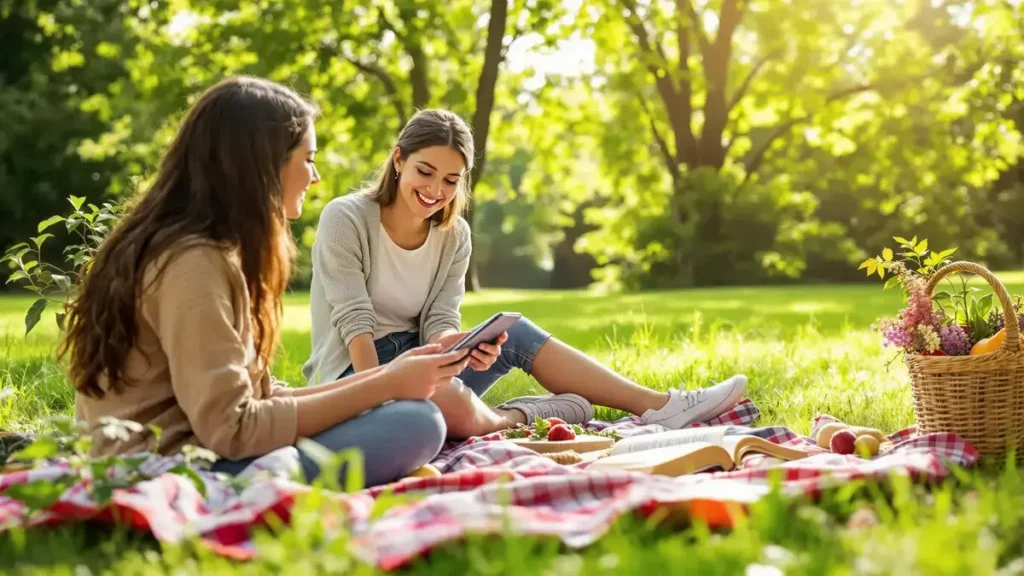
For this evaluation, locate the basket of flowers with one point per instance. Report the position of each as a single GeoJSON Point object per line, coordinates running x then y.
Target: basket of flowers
{"type": "Point", "coordinates": [962, 346]}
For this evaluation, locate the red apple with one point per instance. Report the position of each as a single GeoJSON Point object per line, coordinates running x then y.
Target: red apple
{"type": "Point", "coordinates": [843, 442]}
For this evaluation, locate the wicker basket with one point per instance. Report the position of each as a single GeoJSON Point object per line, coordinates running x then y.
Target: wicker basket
{"type": "Point", "coordinates": [980, 398]}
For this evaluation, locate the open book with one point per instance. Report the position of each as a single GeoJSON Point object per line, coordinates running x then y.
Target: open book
{"type": "Point", "coordinates": [679, 452]}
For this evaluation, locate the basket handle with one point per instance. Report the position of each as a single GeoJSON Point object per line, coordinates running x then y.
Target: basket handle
{"type": "Point", "coordinates": [1012, 342]}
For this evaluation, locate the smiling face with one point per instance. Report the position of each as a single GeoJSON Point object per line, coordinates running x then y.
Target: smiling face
{"type": "Point", "coordinates": [298, 174]}
{"type": "Point", "coordinates": [429, 179]}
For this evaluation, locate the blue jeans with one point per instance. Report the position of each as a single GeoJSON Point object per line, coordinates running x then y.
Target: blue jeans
{"type": "Point", "coordinates": [400, 436]}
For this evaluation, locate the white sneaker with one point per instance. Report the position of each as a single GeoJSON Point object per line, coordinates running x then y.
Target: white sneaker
{"type": "Point", "coordinates": [685, 407]}
{"type": "Point", "coordinates": [572, 408]}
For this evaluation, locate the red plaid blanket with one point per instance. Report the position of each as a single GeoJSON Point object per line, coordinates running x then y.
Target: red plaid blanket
{"type": "Point", "coordinates": [488, 486]}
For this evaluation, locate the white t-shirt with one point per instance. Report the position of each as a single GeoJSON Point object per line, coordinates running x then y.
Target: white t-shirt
{"type": "Point", "coordinates": [402, 282]}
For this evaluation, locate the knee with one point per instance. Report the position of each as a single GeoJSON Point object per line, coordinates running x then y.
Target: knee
{"type": "Point", "coordinates": [524, 339]}
{"type": "Point", "coordinates": [415, 436]}
{"type": "Point", "coordinates": [456, 406]}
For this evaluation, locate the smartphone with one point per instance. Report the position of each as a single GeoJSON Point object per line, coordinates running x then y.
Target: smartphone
{"type": "Point", "coordinates": [487, 332]}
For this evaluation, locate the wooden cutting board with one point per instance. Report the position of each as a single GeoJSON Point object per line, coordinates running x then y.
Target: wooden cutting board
{"type": "Point", "coordinates": [582, 443]}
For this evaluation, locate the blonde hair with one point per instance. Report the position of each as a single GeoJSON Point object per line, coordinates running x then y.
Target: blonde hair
{"type": "Point", "coordinates": [426, 129]}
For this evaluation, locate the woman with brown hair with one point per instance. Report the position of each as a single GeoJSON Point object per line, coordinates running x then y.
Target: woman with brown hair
{"type": "Point", "coordinates": [179, 315]}
{"type": "Point", "coordinates": [389, 267]}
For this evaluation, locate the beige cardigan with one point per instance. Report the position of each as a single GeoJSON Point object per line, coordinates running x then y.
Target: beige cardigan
{"type": "Point", "coordinates": [193, 371]}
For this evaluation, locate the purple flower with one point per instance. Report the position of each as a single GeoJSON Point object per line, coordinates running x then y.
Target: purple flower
{"type": "Point", "coordinates": [955, 341]}
{"type": "Point", "coordinates": [895, 333]}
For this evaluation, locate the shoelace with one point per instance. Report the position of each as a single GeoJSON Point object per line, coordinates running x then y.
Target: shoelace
{"type": "Point", "coordinates": [690, 398]}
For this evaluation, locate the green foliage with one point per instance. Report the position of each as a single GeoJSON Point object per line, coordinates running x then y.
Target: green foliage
{"type": "Point", "coordinates": [86, 224]}
{"type": "Point", "coordinates": [741, 142]}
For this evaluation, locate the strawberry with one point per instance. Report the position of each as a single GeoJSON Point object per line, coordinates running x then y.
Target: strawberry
{"type": "Point", "coordinates": [555, 421]}
{"type": "Point", "coordinates": [561, 432]}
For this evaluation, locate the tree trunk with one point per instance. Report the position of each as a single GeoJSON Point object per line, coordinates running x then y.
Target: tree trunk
{"type": "Point", "coordinates": [493, 55]}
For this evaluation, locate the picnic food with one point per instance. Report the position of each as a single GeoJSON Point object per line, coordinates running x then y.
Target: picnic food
{"type": "Point", "coordinates": [561, 432]}
{"type": "Point", "coordinates": [989, 345]}
{"type": "Point", "coordinates": [824, 437]}
{"type": "Point", "coordinates": [544, 437]}
{"type": "Point", "coordinates": [866, 445]}
{"type": "Point", "coordinates": [843, 442]}
{"type": "Point", "coordinates": [873, 432]}
{"type": "Point", "coordinates": [424, 471]}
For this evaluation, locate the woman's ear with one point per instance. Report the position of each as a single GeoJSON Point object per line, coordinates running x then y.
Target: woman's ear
{"type": "Point", "coordinates": [397, 159]}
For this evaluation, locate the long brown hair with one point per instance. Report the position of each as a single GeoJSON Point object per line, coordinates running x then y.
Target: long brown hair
{"type": "Point", "coordinates": [218, 182]}
{"type": "Point", "coordinates": [426, 129]}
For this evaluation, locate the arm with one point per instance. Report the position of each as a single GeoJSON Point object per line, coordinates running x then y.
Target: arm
{"type": "Point", "coordinates": [280, 390]}
{"type": "Point", "coordinates": [338, 261]}
{"type": "Point", "coordinates": [363, 352]}
{"type": "Point", "coordinates": [443, 317]}
{"type": "Point", "coordinates": [318, 411]}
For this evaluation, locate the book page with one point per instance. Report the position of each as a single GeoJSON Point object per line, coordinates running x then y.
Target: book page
{"type": "Point", "coordinates": [757, 445]}
{"type": "Point", "coordinates": [710, 434]}
{"type": "Point", "coordinates": [664, 460]}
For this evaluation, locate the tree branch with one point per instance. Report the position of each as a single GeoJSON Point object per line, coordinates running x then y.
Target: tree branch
{"type": "Point", "coordinates": [381, 74]}
{"type": "Point", "coordinates": [643, 37]}
{"type": "Point", "coordinates": [676, 101]}
{"type": "Point", "coordinates": [686, 6]}
{"type": "Point", "coordinates": [686, 144]}
{"type": "Point", "coordinates": [388, 24]}
{"type": "Point", "coordinates": [745, 85]}
{"type": "Point", "coordinates": [410, 39]}
{"type": "Point", "coordinates": [755, 161]}
{"type": "Point", "coordinates": [670, 160]}
{"type": "Point", "coordinates": [716, 73]}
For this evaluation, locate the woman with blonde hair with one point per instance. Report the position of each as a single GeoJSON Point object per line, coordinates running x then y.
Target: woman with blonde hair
{"type": "Point", "coordinates": [389, 267]}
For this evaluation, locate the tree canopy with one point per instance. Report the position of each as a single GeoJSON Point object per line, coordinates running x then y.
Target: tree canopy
{"type": "Point", "coordinates": [675, 143]}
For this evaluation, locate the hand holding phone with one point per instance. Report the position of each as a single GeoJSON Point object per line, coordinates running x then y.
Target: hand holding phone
{"type": "Point", "coordinates": [488, 331]}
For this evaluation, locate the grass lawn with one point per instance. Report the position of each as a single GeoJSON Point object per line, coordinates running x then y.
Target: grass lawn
{"type": "Point", "coordinates": [807, 350]}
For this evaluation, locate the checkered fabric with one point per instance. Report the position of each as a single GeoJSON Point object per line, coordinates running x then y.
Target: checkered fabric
{"type": "Point", "coordinates": [487, 486]}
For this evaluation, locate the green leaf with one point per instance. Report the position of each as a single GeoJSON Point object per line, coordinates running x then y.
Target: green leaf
{"type": "Point", "coordinates": [63, 282]}
{"type": "Point", "coordinates": [40, 239]}
{"type": "Point", "coordinates": [881, 271]}
{"type": "Point", "coordinates": [41, 448]}
{"type": "Point", "coordinates": [985, 306]}
{"type": "Point", "coordinates": [947, 253]}
{"type": "Point", "coordinates": [35, 312]}
{"type": "Point", "coordinates": [942, 296]}
{"type": "Point", "coordinates": [77, 202]}
{"type": "Point", "coordinates": [20, 274]}
{"type": "Point", "coordinates": [49, 222]}
{"type": "Point", "coordinates": [887, 255]}
{"type": "Point", "coordinates": [60, 320]}
{"type": "Point", "coordinates": [30, 265]}
{"type": "Point", "coordinates": [891, 282]}
{"type": "Point", "coordinates": [866, 263]}
{"type": "Point", "coordinates": [902, 241]}
{"type": "Point", "coordinates": [192, 475]}
{"type": "Point", "coordinates": [39, 494]}
{"type": "Point", "coordinates": [922, 247]}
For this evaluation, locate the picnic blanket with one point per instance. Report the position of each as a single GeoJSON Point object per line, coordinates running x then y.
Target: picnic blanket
{"type": "Point", "coordinates": [487, 486]}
